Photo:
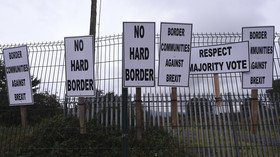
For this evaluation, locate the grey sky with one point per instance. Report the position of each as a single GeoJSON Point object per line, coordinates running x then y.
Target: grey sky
{"type": "Point", "coordinates": [44, 20]}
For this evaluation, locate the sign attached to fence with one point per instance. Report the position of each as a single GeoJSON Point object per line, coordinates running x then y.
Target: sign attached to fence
{"type": "Point", "coordinates": [18, 76]}
{"type": "Point", "coordinates": [79, 64]}
{"type": "Point", "coordinates": [174, 58]}
{"type": "Point", "coordinates": [261, 48]}
{"type": "Point", "coordinates": [138, 54]}
{"type": "Point", "coordinates": [226, 58]}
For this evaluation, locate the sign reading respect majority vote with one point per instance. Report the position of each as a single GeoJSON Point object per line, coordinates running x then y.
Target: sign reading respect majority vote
{"type": "Point", "coordinates": [175, 52]}
{"type": "Point", "coordinates": [79, 64]}
{"type": "Point", "coordinates": [138, 54]}
{"type": "Point", "coordinates": [261, 48]}
{"type": "Point", "coordinates": [225, 58]}
{"type": "Point", "coordinates": [18, 76]}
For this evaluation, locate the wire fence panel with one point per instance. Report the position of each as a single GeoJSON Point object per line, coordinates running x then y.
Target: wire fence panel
{"type": "Point", "coordinates": [212, 130]}
{"type": "Point", "coordinates": [47, 61]}
{"type": "Point", "coordinates": [203, 127]}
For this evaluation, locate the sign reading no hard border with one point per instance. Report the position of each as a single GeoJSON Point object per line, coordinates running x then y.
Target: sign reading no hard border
{"type": "Point", "coordinates": [79, 58]}
{"type": "Point", "coordinates": [18, 76]}
{"type": "Point", "coordinates": [138, 54]}
{"type": "Point", "coordinates": [261, 48]}
{"type": "Point", "coordinates": [175, 51]}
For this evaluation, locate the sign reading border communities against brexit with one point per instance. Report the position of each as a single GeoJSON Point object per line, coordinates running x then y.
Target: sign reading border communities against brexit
{"type": "Point", "coordinates": [138, 54]}
{"type": "Point", "coordinates": [224, 58]}
{"type": "Point", "coordinates": [18, 76]}
{"type": "Point", "coordinates": [261, 50]}
{"type": "Point", "coordinates": [79, 64]}
{"type": "Point", "coordinates": [175, 52]}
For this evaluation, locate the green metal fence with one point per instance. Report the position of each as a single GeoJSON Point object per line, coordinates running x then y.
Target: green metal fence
{"type": "Point", "coordinates": [48, 64]}
{"type": "Point", "coordinates": [203, 128]}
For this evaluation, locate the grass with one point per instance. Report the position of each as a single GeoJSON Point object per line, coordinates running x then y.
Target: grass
{"type": "Point", "coordinates": [60, 136]}
{"type": "Point", "coordinates": [223, 143]}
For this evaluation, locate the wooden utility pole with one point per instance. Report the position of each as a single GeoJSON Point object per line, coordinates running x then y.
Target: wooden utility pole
{"type": "Point", "coordinates": [92, 30]}
{"type": "Point", "coordinates": [81, 101]}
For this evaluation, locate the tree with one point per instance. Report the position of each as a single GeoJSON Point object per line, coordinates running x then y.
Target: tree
{"type": "Point", "coordinates": [275, 87]}
{"type": "Point", "coordinates": [45, 105]}
{"type": "Point", "coordinates": [274, 94]}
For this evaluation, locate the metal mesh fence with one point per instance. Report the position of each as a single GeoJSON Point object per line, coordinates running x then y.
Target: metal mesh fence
{"type": "Point", "coordinates": [48, 64]}
{"type": "Point", "coordinates": [203, 128]}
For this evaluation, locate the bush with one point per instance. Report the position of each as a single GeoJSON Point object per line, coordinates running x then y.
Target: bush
{"type": "Point", "coordinates": [60, 136]}
{"type": "Point", "coordinates": [45, 106]}
{"type": "Point", "coordinates": [155, 142]}
{"type": "Point", "coordinates": [53, 134]}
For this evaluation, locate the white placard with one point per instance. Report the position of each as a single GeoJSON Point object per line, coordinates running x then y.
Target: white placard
{"type": "Point", "coordinates": [138, 54]}
{"type": "Point", "coordinates": [18, 76]}
{"type": "Point", "coordinates": [175, 51]}
{"type": "Point", "coordinates": [79, 64]}
{"type": "Point", "coordinates": [261, 50]}
{"type": "Point", "coordinates": [225, 58]}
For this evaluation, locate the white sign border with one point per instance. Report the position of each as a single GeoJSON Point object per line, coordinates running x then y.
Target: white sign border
{"type": "Point", "coordinates": [249, 56]}
{"type": "Point", "coordinates": [221, 45]}
{"type": "Point", "coordinates": [32, 94]}
{"type": "Point", "coordinates": [123, 58]}
{"type": "Point", "coordinates": [93, 73]}
{"type": "Point", "coordinates": [188, 84]}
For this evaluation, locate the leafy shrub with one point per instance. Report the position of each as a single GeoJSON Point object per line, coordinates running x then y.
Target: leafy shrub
{"type": "Point", "coordinates": [45, 106]}
{"type": "Point", "coordinates": [53, 134]}
{"type": "Point", "coordinates": [155, 142]}
{"type": "Point", "coordinates": [60, 136]}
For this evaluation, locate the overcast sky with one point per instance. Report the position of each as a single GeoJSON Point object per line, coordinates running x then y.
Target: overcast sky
{"type": "Point", "coordinates": [51, 20]}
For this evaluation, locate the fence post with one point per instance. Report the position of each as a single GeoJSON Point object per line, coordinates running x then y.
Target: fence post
{"type": "Point", "coordinates": [139, 113]}
{"type": "Point", "coordinates": [254, 110]}
{"type": "Point", "coordinates": [124, 123]}
{"type": "Point", "coordinates": [65, 106]}
{"type": "Point", "coordinates": [233, 122]}
{"type": "Point", "coordinates": [23, 114]}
